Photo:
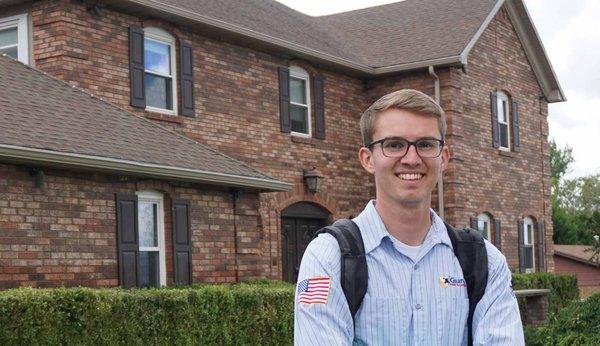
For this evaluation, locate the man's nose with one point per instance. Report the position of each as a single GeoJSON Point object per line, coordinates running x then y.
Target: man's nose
{"type": "Point", "coordinates": [411, 157]}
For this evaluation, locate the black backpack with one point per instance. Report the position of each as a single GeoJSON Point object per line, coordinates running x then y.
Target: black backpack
{"type": "Point", "coordinates": [467, 243]}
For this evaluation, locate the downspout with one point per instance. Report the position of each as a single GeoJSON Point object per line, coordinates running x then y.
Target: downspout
{"type": "Point", "coordinates": [436, 88]}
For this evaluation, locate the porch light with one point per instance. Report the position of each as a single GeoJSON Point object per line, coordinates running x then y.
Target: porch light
{"type": "Point", "coordinates": [313, 179]}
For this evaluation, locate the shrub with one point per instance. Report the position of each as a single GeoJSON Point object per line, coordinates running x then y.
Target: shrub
{"type": "Point", "coordinates": [576, 324]}
{"type": "Point", "coordinates": [204, 314]}
{"type": "Point", "coordinates": [563, 288]}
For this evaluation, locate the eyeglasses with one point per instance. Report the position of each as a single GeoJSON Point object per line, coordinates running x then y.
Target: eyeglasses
{"type": "Point", "coordinates": [398, 147]}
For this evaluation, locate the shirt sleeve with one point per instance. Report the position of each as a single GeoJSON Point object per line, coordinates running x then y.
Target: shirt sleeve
{"type": "Point", "coordinates": [329, 323]}
{"type": "Point", "coordinates": [497, 320]}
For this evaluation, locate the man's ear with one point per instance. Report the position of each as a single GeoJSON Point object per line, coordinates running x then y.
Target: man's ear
{"type": "Point", "coordinates": [365, 156]}
{"type": "Point", "coordinates": [445, 158]}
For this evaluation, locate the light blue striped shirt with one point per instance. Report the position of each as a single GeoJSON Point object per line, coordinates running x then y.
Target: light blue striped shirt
{"type": "Point", "coordinates": [407, 302]}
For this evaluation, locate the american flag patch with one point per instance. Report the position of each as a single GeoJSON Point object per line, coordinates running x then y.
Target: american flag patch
{"type": "Point", "coordinates": [314, 290]}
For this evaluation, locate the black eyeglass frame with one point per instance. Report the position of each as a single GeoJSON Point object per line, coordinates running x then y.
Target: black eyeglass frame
{"type": "Point", "coordinates": [413, 143]}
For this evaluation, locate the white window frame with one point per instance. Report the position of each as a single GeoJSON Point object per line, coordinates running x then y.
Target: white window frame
{"type": "Point", "coordinates": [529, 243]}
{"type": "Point", "coordinates": [484, 219]}
{"type": "Point", "coordinates": [149, 196]}
{"type": "Point", "coordinates": [503, 109]}
{"type": "Point", "coordinates": [161, 36]}
{"type": "Point", "coordinates": [19, 22]}
{"type": "Point", "coordinates": [300, 73]}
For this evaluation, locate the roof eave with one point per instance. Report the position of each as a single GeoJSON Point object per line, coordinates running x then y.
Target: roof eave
{"type": "Point", "coordinates": [79, 161]}
{"type": "Point", "coordinates": [445, 61]}
{"type": "Point", "coordinates": [575, 258]}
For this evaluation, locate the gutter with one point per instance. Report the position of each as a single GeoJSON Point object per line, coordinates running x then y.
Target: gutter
{"type": "Point", "coordinates": [436, 88]}
{"type": "Point", "coordinates": [62, 159]}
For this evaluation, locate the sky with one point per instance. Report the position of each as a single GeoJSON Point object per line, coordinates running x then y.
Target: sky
{"type": "Point", "coordinates": [570, 33]}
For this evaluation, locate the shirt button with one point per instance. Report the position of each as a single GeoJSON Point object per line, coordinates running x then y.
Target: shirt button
{"type": "Point", "coordinates": [418, 306]}
{"type": "Point", "coordinates": [416, 266]}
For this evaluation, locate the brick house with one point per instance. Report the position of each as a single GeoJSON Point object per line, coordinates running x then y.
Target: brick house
{"type": "Point", "coordinates": [579, 260]}
{"type": "Point", "coordinates": [264, 98]}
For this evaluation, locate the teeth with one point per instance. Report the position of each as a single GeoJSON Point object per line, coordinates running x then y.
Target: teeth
{"type": "Point", "coordinates": [413, 176]}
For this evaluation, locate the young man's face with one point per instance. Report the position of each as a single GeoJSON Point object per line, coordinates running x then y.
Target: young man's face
{"type": "Point", "coordinates": [408, 180]}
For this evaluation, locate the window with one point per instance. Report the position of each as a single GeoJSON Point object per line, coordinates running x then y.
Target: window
{"type": "Point", "coordinates": [529, 258]}
{"type": "Point", "coordinates": [159, 71]}
{"type": "Point", "coordinates": [503, 120]}
{"type": "Point", "coordinates": [151, 265]}
{"type": "Point", "coordinates": [299, 101]}
{"type": "Point", "coordinates": [14, 37]}
{"type": "Point", "coordinates": [484, 225]}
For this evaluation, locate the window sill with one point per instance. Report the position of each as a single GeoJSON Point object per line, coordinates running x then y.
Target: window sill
{"type": "Point", "coordinates": [305, 140]}
{"type": "Point", "coordinates": [506, 153]}
{"type": "Point", "coordinates": [164, 117]}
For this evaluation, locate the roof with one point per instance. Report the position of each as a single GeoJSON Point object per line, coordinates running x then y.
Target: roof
{"type": "Point", "coordinates": [378, 40]}
{"type": "Point", "coordinates": [576, 252]}
{"type": "Point", "coordinates": [47, 121]}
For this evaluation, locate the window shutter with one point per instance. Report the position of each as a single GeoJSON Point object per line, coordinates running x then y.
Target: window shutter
{"type": "Point", "coordinates": [541, 236]}
{"type": "Point", "coordinates": [127, 242]}
{"type": "Point", "coordinates": [284, 99]}
{"type": "Point", "coordinates": [319, 107]}
{"type": "Point", "coordinates": [515, 127]}
{"type": "Point", "coordinates": [186, 57]}
{"type": "Point", "coordinates": [136, 66]}
{"type": "Point", "coordinates": [498, 234]}
{"type": "Point", "coordinates": [495, 126]}
{"type": "Point", "coordinates": [182, 244]}
{"type": "Point", "coordinates": [473, 222]}
{"type": "Point", "coordinates": [520, 228]}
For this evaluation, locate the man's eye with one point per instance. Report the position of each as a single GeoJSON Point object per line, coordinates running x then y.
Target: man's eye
{"type": "Point", "coordinates": [425, 144]}
{"type": "Point", "coordinates": [395, 144]}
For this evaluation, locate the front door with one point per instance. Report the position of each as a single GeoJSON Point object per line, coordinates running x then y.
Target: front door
{"type": "Point", "coordinates": [297, 233]}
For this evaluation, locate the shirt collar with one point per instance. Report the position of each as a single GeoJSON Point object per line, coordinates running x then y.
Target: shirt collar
{"type": "Point", "coordinates": [370, 220]}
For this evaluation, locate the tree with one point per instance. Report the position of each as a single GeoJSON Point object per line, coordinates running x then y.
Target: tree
{"type": "Point", "coordinates": [560, 160]}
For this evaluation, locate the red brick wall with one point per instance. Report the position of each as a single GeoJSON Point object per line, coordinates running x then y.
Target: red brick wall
{"type": "Point", "coordinates": [64, 233]}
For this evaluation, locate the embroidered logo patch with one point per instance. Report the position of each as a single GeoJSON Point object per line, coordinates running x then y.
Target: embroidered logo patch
{"type": "Point", "coordinates": [314, 290]}
{"type": "Point", "coordinates": [446, 281]}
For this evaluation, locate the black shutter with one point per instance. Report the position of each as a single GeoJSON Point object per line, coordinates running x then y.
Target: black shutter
{"type": "Point", "coordinates": [520, 228]}
{"type": "Point", "coordinates": [186, 57]}
{"type": "Point", "coordinates": [284, 99]}
{"type": "Point", "coordinates": [498, 234]}
{"type": "Point", "coordinates": [495, 125]}
{"type": "Point", "coordinates": [182, 244]}
{"type": "Point", "coordinates": [541, 236]}
{"type": "Point", "coordinates": [515, 127]}
{"type": "Point", "coordinates": [319, 107]}
{"type": "Point", "coordinates": [127, 240]}
{"type": "Point", "coordinates": [136, 66]}
{"type": "Point", "coordinates": [473, 222]}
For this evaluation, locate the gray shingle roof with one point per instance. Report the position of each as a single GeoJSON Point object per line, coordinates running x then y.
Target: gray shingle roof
{"type": "Point", "coordinates": [393, 34]}
{"type": "Point", "coordinates": [43, 113]}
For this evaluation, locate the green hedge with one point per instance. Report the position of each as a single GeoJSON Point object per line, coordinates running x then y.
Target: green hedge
{"type": "Point", "coordinates": [577, 324]}
{"type": "Point", "coordinates": [207, 315]}
{"type": "Point", "coordinates": [563, 288]}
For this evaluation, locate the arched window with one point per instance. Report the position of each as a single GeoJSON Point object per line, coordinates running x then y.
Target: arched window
{"type": "Point", "coordinates": [528, 245]}
{"type": "Point", "coordinates": [503, 112]}
{"type": "Point", "coordinates": [484, 225]}
{"type": "Point", "coordinates": [159, 71]}
{"type": "Point", "coordinates": [300, 101]}
{"type": "Point", "coordinates": [151, 231]}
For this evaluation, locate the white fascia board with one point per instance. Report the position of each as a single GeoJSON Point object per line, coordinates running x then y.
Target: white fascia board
{"type": "Point", "coordinates": [464, 54]}
{"type": "Point", "coordinates": [534, 50]}
{"type": "Point", "coordinates": [72, 160]}
{"type": "Point", "coordinates": [451, 60]}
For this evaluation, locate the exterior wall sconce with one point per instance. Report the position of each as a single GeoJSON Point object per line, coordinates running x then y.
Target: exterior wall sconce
{"type": "Point", "coordinates": [312, 179]}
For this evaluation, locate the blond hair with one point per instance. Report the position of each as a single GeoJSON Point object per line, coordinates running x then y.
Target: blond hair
{"type": "Point", "coordinates": [405, 99]}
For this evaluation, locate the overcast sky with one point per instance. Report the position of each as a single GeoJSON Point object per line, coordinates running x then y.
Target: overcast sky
{"type": "Point", "coordinates": [570, 32]}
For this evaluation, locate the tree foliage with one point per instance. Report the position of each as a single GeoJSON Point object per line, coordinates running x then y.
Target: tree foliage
{"type": "Point", "coordinates": [575, 202]}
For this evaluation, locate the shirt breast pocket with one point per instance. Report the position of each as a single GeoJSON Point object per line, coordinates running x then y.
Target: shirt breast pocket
{"type": "Point", "coordinates": [452, 321]}
{"type": "Point", "coordinates": [382, 321]}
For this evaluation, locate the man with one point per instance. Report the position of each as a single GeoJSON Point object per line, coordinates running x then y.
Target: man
{"type": "Point", "coordinates": [416, 291]}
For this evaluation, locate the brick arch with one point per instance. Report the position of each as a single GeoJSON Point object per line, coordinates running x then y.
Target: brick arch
{"type": "Point", "coordinates": [323, 200]}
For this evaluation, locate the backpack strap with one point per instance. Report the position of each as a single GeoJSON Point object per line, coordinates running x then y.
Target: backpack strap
{"type": "Point", "coordinates": [353, 271]}
{"type": "Point", "coordinates": [469, 248]}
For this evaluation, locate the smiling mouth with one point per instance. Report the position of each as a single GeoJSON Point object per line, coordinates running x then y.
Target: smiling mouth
{"type": "Point", "coordinates": [410, 176]}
